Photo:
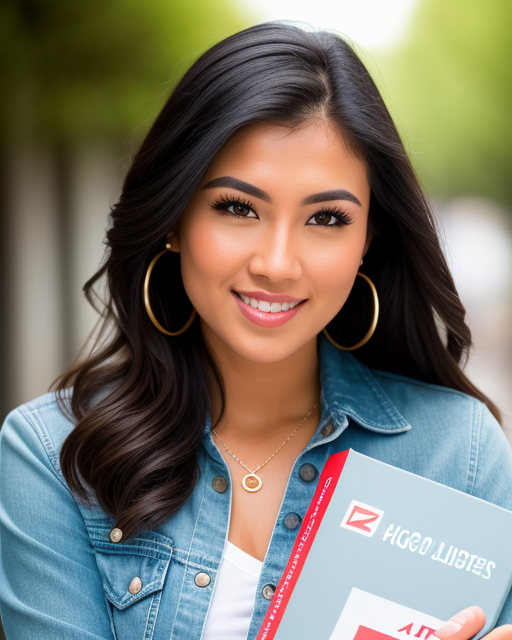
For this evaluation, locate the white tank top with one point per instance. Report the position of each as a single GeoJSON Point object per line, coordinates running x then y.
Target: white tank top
{"type": "Point", "coordinates": [232, 604]}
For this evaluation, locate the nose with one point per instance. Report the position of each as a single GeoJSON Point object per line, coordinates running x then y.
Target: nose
{"type": "Point", "coordinates": [277, 255]}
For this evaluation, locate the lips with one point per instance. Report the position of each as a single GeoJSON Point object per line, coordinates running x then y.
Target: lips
{"type": "Point", "coordinates": [268, 297]}
{"type": "Point", "coordinates": [267, 306]}
{"type": "Point", "coordinates": [267, 318]}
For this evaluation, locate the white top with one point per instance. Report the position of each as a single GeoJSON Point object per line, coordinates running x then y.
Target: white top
{"type": "Point", "coordinates": [233, 598]}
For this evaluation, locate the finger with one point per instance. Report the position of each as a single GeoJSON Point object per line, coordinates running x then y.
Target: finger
{"type": "Point", "coordinates": [500, 633]}
{"type": "Point", "coordinates": [463, 625]}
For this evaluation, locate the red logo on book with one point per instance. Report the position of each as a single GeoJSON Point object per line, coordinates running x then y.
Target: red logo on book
{"type": "Point", "coordinates": [362, 518]}
{"type": "Point", "coordinates": [364, 633]}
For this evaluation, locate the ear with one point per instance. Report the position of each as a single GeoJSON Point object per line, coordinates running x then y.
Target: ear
{"type": "Point", "coordinates": [173, 239]}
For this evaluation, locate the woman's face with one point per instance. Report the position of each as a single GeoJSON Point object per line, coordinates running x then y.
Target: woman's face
{"type": "Point", "coordinates": [280, 215]}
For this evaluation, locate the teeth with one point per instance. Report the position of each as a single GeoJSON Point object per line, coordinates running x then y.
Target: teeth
{"type": "Point", "coordinates": [267, 307]}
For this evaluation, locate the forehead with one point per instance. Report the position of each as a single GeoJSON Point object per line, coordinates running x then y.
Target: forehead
{"type": "Point", "coordinates": [314, 154]}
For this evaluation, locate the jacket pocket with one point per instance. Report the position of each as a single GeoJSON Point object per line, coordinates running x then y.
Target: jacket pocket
{"type": "Point", "coordinates": [133, 575]}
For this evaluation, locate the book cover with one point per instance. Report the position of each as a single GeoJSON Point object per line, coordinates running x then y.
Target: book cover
{"type": "Point", "coordinates": [384, 554]}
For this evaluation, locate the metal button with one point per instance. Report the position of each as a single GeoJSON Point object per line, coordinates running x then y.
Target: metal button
{"type": "Point", "coordinates": [268, 591]}
{"type": "Point", "coordinates": [219, 484]}
{"type": "Point", "coordinates": [291, 521]}
{"type": "Point", "coordinates": [328, 429]}
{"type": "Point", "coordinates": [135, 585]}
{"type": "Point", "coordinates": [308, 472]}
{"type": "Point", "coordinates": [116, 535]}
{"type": "Point", "coordinates": [202, 579]}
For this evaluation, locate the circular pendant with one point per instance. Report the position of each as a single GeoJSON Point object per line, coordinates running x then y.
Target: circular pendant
{"type": "Point", "coordinates": [251, 482]}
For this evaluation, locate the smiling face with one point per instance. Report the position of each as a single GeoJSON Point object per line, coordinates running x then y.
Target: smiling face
{"type": "Point", "coordinates": [279, 217]}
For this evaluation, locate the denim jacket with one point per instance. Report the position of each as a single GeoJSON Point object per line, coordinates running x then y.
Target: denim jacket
{"type": "Point", "coordinates": [61, 576]}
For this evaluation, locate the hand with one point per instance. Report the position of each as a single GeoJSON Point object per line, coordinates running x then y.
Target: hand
{"type": "Point", "coordinates": [467, 623]}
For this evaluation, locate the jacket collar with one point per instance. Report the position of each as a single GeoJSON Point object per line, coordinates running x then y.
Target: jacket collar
{"type": "Point", "coordinates": [350, 389]}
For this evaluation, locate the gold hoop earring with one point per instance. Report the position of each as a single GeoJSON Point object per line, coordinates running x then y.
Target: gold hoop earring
{"type": "Point", "coordinates": [147, 304]}
{"type": "Point", "coordinates": [374, 321]}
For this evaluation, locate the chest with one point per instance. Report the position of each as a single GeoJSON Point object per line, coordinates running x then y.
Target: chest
{"type": "Point", "coordinates": [254, 514]}
{"type": "Point", "coordinates": [178, 564]}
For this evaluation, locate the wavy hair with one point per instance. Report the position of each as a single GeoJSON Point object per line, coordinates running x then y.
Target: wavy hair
{"type": "Point", "coordinates": [140, 398]}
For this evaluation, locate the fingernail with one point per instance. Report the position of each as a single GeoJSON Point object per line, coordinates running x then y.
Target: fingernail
{"type": "Point", "coordinates": [454, 625]}
{"type": "Point", "coordinates": [449, 630]}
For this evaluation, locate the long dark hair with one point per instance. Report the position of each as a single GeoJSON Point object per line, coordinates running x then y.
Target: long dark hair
{"type": "Point", "coordinates": [140, 398]}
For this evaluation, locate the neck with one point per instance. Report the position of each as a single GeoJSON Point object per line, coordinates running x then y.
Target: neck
{"type": "Point", "coordinates": [264, 401]}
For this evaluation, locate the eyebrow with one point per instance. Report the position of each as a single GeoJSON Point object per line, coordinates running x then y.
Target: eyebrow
{"type": "Point", "coordinates": [240, 185]}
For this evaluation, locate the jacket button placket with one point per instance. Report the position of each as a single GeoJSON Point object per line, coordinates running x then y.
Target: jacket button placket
{"type": "Point", "coordinates": [268, 591]}
{"type": "Point", "coordinates": [328, 429]}
{"type": "Point", "coordinates": [291, 521]}
{"type": "Point", "coordinates": [308, 472]}
{"type": "Point", "coordinates": [220, 484]}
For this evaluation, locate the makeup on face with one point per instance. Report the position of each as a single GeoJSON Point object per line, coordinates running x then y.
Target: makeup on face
{"type": "Point", "coordinates": [272, 240]}
{"type": "Point", "coordinates": [265, 313]}
{"type": "Point", "coordinates": [250, 189]}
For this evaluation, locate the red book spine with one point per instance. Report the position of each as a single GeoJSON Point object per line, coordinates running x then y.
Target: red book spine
{"type": "Point", "coordinates": [323, 494]}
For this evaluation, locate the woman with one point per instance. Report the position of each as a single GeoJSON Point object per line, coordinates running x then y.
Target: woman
{"type": "Point", "coordinates": [183, 452]}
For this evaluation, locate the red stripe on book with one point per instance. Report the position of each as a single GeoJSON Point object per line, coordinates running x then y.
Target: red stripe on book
{"type": "Point", "coordinates": [323, 494]}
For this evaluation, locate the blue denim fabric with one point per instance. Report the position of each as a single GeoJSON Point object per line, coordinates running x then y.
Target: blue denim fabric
{"type": "Point", "coordinates": [62, 577]}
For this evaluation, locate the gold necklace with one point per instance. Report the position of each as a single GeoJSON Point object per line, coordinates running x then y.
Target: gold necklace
{"type": "Point", "coordinates": [252, 482]}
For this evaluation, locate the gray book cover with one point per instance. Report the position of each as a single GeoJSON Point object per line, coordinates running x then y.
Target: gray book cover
{"type": "Point", "coordinates": [384, 554]}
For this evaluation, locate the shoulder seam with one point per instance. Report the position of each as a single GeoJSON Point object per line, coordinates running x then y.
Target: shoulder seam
{"type": "Point", "coordinates": [43, 401]}
{"type": "Point", "coordinates": [46, 400]}
{"type": "Point", "coordinates": [35, 421]}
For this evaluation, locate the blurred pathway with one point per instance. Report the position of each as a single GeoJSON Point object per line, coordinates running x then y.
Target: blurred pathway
{"type": "Point", "coordinates": [478, 245]}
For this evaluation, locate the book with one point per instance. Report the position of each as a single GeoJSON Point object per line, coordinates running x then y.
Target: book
{"type": "Point", "coordinates": [384, 554]}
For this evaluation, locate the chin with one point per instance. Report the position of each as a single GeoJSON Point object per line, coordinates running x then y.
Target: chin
{"type": "Point", "coordinates": [264, 355]}
{"type": "Point", "coordinates": [267, 350]}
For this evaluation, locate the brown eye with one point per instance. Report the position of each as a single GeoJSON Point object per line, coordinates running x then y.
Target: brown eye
{"type": "Point", "coordinates": [322, 218]}
{"type": "Point", "coordinates": [235, 207]}
{"type": "Point", "coordinates": [241, 209]}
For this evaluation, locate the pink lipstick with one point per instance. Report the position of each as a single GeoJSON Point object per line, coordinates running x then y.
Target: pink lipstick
{"type": "Point", "coordinates": [264, 318]}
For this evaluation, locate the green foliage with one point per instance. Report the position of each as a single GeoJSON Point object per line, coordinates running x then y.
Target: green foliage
{"type": "Point", "coordinates": [450, 89]}
{"type": "Point", "coordinates": [101, 67]}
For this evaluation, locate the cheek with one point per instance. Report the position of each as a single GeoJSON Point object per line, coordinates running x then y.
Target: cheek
{"type": "Point", "coordinates": [209, 256]}
{"type": "Point", "coordinates": [334, 269]}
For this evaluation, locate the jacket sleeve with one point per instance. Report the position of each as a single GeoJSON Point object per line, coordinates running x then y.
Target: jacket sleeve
{"type": "Point", "coordinates": [492, 479]}
{"type": "Point", "coordinates": [49, 583]}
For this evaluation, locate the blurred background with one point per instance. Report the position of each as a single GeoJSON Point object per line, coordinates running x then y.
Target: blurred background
{"type": "Point", "coordinates": [82, 82]}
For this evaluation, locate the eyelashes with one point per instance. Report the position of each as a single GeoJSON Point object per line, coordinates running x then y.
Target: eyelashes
{"type": "Point", "coordinates": [223, 204]}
